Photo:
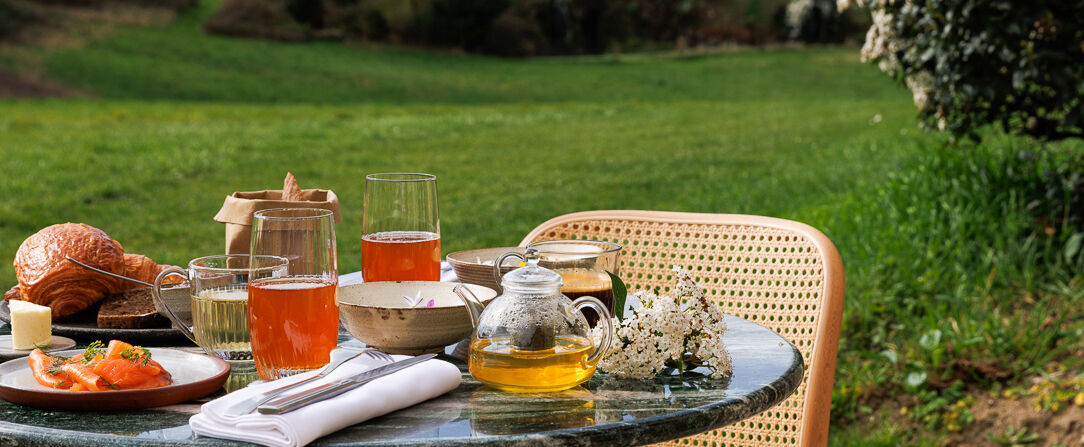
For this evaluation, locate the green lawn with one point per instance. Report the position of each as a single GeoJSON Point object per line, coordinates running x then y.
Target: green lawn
{"type": "Point", "coordinates": [179, 63]}
{"type": "Point", "coordinates": [180, 119]}
{"type": "Point", "coordinates": [184, 119]}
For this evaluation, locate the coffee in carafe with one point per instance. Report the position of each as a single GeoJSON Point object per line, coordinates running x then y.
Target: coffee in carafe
{"type": "Point", "coordinates": [579, 283]}
{"type": "Point", "coordinates": [584, 265]}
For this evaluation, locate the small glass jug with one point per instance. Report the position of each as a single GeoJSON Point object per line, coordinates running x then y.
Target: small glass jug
{"type": "Point", "coordinates": [532, 338]}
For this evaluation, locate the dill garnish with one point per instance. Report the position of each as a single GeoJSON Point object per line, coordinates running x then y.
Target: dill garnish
{"type": "Point", "coordinates": [57, 365]}
{"type": "Point", "coordinates": [136, 353]}
{"type": "Point", "coordinates": [109, 384]}
{"type": "Point", "coordinates": [92, 351]}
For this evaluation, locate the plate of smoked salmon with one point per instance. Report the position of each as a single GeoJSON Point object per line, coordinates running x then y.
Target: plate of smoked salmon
{"type": "Point", "coordinates": [117, 376]}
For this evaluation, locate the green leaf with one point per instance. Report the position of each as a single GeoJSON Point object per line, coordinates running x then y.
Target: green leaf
{"type": "Point", "coordinates": [1072, 247]}
{"type": "Point", "coordinates": [620, 293]}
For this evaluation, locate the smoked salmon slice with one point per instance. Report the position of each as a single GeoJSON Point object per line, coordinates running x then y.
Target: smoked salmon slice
{"type": "Point", "coordinates": [84, 375]}
{"type": "Point", "coordinates": [42, 366]}
{"type": "Point", "coordinates": [119, 366]}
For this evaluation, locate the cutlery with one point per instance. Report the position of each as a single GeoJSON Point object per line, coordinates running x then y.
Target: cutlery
{"type": "Point", "coordinates": [108, 273]}
{"type": "Point", "coordinates": [338, 357]}
{"type": "Point", "coordinates": [286, 404]}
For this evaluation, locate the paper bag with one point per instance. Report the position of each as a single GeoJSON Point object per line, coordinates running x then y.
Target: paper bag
{"type": "Point", "coordinates": [237, 211]}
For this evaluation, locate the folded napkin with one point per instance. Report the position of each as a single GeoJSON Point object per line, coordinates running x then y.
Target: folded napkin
{"type": "Point", "coordinates": [399, 390]}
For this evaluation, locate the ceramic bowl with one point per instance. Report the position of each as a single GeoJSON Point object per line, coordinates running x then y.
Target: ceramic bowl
{"type": "Point", "coordinates": [470, 265]}
{"type": "Point", "coordinates": [179, 299]}
{"type": "Point", "coordinates": [377, 314]}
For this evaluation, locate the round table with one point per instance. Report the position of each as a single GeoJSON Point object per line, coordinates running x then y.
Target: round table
{"type": "Point", "coordinates": [767, 369]}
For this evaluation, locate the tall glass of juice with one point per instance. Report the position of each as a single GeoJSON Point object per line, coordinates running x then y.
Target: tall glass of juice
{"type": "Point", "coordinates": [400, 228]}
{"type": "Point", "coordinates": [294, 320]}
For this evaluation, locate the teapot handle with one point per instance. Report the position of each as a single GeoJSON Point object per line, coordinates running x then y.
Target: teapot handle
{"type": "Point", "coordinates": [500, 261]}
{"type": "Point", "coordinates": [605, 318]}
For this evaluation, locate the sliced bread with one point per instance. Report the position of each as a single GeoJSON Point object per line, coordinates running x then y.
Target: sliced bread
{"type": "Point", "coordinates": [130, 309]}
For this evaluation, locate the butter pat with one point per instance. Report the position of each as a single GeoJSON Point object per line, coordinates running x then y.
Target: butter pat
{"type": "Point", "coordinates": [31, 325]}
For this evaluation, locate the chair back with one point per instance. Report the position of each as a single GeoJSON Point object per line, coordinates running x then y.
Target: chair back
{"type": "Point", "coordinates": [781, 274]}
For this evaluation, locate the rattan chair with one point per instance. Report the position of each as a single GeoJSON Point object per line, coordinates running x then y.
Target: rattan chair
{"type": "Point", "coordinates": [781, 274]}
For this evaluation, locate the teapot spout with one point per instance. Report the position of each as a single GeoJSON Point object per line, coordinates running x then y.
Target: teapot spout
{"type": "Point", "coordinates": [472, 303]}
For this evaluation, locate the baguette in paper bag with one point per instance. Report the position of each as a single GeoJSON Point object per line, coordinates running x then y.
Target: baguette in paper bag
{"type": "Point", "coordinates": [237, 211]}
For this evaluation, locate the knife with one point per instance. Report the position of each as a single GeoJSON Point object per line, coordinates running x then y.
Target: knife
{"type": "Point", "coordinates": [288, 403]}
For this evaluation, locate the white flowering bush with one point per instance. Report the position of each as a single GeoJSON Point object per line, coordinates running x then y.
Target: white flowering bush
{"type": "Point", "coordinates": [684, 331]}
{"type": "Point", "coordinates": [1015, 64]}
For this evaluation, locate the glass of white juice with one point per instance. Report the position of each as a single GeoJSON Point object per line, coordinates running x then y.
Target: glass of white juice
{"type": "Point", "coordinates": [219, 296]}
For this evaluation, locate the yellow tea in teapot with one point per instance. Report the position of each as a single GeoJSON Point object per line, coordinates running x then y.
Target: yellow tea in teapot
{"type": "Point", "coordinates": [497, 363]}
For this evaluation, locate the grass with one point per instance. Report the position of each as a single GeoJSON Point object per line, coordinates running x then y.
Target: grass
{"type": "Point", "coordinates": [179, 64]}
{"type": "Point", "coordinates": [185, 118]}
{"type": "Point", "coordinates": [153, 174]}
{"type": "Point", "coordinates": [945, 269]}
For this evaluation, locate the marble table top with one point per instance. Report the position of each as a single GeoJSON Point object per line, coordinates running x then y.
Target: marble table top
{"type": "Point", "coordinates": [767, 369]}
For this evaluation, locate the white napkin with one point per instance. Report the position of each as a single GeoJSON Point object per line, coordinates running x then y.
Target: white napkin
{"type": "Point", "coordinates": [399, 390]}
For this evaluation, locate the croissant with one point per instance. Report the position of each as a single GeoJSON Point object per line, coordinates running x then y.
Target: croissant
{"type": "Point", "coordinates": [47, 278]}
{"type": "Point", "coordinates": [13, 293]}
{"type": "Point", "coordinates": [144, 269]}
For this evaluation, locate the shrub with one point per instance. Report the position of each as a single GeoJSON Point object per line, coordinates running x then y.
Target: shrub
{"type": "Point", "coordinates": [512, 35]}
{"type": "Point", "coordinates": [74, 2]}
{"type": "Point", "coordinates": [818, 21]}
{"type": "Point", "coordinates": [459, 23]}
{"type": "Point", "coordinates": [175, 5]}
{"type": "Point", "coordinates": [549, 27]}
{"type": "Point", "coordinates": [255, 18]}
{"type": "Point", "coordinates": [1018, 65]}
{"type": "Point", "coordinates": [507, 27]}
{"type": "Point", "coordinates": [14, 17]}
{"type": "Point", "coordinates": [308, 12]}
{"type": "Point", "coordinates": [529, 27]}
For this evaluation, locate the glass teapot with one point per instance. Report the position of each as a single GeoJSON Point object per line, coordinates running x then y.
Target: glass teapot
{"type": "Point", "coordinates": [532, 338]}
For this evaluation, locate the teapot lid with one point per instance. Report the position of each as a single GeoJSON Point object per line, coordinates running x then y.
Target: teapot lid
{"type": "Point", "coordinates": [532, 276]}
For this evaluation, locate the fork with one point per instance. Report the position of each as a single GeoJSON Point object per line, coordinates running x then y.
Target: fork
{"type": "Point", "coordinates": [338, 357]}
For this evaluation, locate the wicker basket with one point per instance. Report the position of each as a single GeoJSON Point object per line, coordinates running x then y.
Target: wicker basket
{"type": "Point", "coordinates": [470, 265]}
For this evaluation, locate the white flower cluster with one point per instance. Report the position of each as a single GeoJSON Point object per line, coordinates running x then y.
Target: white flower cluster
{"type": "Point", "coordinates": [684, 330]}
{"type": "Point", "coordinates": [883, 45]}
{"type": "Point", "coordinates": [798, 10]}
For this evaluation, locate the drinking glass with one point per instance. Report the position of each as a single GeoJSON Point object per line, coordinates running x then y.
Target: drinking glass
{"type": "Point", "coordinates": [219, 302]}
{"type": "Point", "coordinates": [400, 228]}
{"type": "Point", "coordinates": [294, 320]}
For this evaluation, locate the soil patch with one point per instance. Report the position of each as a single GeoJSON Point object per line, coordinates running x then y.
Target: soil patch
{"type": "Point", "coordinates": [995, 415]}
{"type": "Point", "coordinates": [68, 25]}
{"type": "Point", "coordinates": [13, 86]}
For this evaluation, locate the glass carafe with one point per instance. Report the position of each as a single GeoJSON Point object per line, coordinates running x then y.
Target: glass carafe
{"type": "Point", "coordinates": [533, 338]}
{"type": "Point", "coordinates": [585, 267]}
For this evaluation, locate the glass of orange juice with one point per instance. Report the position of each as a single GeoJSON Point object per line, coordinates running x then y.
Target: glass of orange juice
{"type": "Point", "coordinates": [294, 320]}
{"type": "Point", "coordinates": [400, 228]}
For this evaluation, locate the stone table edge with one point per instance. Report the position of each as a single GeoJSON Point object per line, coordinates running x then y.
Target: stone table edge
{"type": "Point", "coordinates": [643, 431]}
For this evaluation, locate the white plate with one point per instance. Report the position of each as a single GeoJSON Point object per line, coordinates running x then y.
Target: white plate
{"type": "Point", "coordinates": [194, 376]}
{"type": "Point", "coordinates": [8, 353]}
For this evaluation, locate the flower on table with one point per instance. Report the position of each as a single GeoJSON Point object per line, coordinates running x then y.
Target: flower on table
{"type": "Point", "coordinates": [684, 331]}
{"type": "Point", "coordinates": [417, 300]}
